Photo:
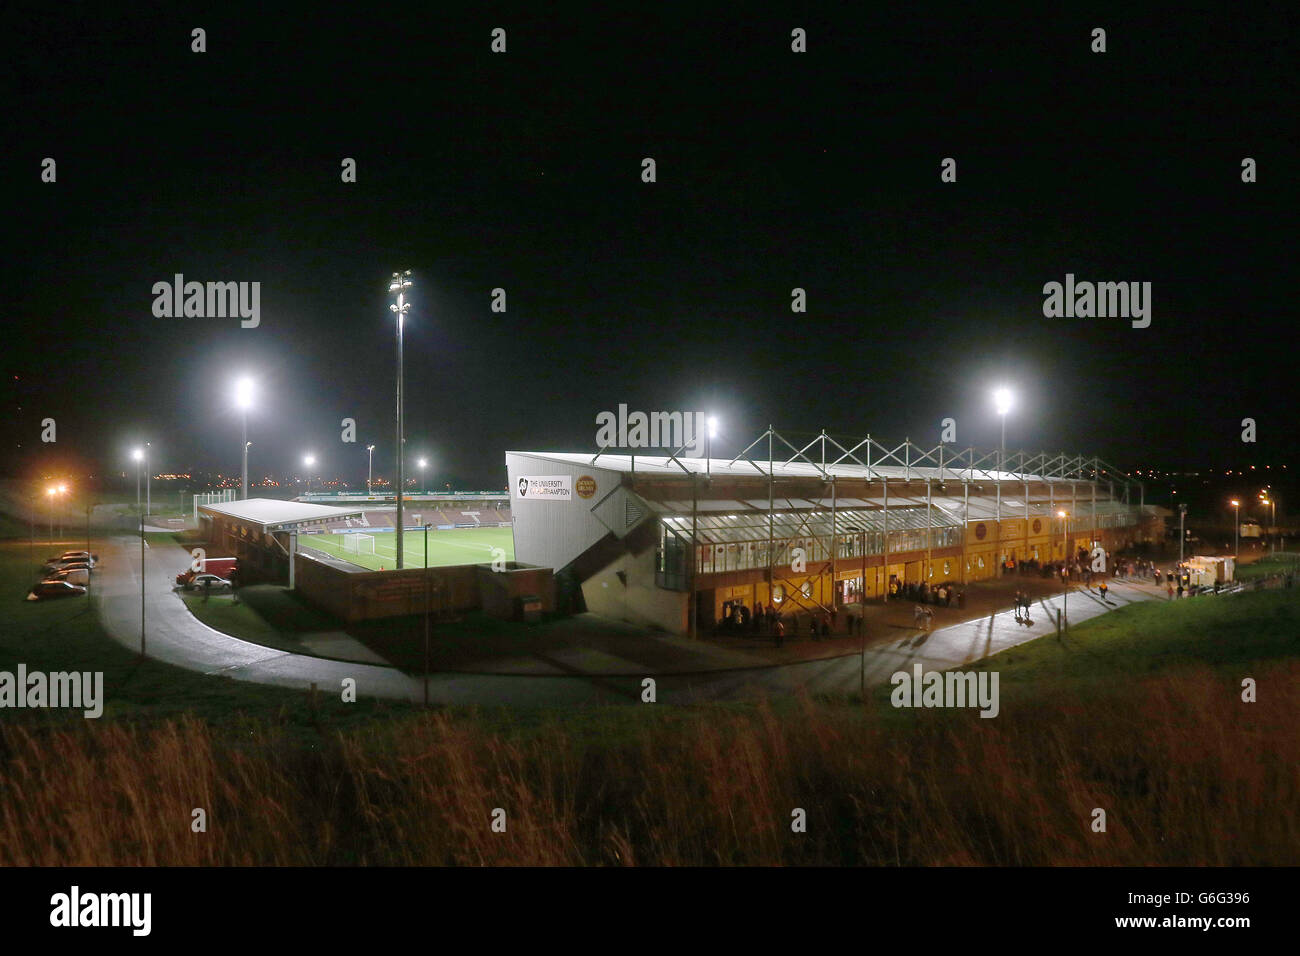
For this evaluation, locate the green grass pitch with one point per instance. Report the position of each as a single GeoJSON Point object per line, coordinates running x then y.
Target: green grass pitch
{"type": "Point", "coordinates": [458, 546]}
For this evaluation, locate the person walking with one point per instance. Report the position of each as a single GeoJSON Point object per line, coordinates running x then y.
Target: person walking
{"type": "Point", "coordinates": [1103, 588]}
{"type": "Point", "coordinates": [1170, 588]}
{"type": "Point", "coordinates": [779, 630]}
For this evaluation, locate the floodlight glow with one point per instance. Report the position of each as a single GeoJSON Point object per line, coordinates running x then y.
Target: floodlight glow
{"type": "Point", "coordinates": [1002, 400]}
{"type": "Point", "coordinates": [244, 393]}
{"type": "Point", "coordinates": [63, 489]}
{"type": "Point", "coordinates": [309, 460]}
{"type": "Point", "coordinates": [713, 426]}
{"type": "Point", "coordinates": [138, 455]}
{"type": "Point", "coordinates": [1235, 503]}
{"type": "Point", "coordinates": [1063, 514]}
{"type": "Point", "coordinates": [423, 462]}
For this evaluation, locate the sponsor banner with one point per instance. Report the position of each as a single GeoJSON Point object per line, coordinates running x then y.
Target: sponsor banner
{"type": "Point", "coordinates": [544, 488]}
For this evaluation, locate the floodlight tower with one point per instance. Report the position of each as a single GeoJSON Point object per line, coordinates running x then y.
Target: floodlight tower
{"type": "Point", "coordinates": [370, 468]}
{"type": "Point", "coordinates": [711, 434]}
{"type": "Point", "coordinates": [1002, 402]}
{"type": "Point", "coordinates": [309, 461]}
{"type": "Point", "coordinates": [397, 287]}
{"type": "Point", "coordinates": [244, 401]}
{"type": "Point", "coordinates": [138, 457]}
{"type": "Point", "coordinates": [424, 485]}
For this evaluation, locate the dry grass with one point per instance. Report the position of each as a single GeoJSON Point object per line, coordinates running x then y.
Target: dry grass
{"type": "Point", "coordinates": [1187, 773]}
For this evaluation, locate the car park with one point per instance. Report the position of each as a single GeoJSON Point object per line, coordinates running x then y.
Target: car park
{"type": "Point", "coordinates": [48, 590]}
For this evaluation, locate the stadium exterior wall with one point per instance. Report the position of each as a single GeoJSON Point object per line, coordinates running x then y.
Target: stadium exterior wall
{"type": "Point", "coordinates": [367, 595]}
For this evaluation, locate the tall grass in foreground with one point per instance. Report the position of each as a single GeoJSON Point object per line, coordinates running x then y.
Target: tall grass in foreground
{"type": "Point", "coordinates": [1186, 773]}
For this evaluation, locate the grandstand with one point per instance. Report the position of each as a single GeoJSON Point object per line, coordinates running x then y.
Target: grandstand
{"type": "Point", "coordinates": [807, 527]}
{"type": "Point", "coordinates": [445, 512]}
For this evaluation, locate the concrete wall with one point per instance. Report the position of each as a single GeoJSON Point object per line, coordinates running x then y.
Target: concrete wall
{"type": "Point", "coordinates": [366, 595]}
{"type": "Point", "coordinates": [633, 595]}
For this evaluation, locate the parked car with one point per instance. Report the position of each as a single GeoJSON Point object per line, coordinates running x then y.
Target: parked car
{"type": "Point", "coordinates": [202, 582]}
{"type": "Point", "coordinates": [54, 589]}
{"type": "Point", "coordinates": [71, 575]}
{"type": "Point", "coordinates": [76, 554]}
{"type": "Point", "coordinates": [53, 569]}
{"type": "Point", "coordinates": [59, 564]}
{"type": "Point", "coordinates": [221, 567]}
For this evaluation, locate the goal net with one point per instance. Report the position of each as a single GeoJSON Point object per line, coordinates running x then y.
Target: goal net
{"type": "Point", "coordinates": [359, 543]}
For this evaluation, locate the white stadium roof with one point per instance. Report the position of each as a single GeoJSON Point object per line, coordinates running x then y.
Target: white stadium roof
{"type": "Point", "coordinates": [273, 515]}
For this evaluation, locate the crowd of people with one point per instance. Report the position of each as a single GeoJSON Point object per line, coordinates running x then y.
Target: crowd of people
{"type": "Point", "coordinates": [738, 619]}
{"type": "Point", "coordinates": [946, 594]}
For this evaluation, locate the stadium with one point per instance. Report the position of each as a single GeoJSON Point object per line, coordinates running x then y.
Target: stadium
{"type": "Point", "coordinates": [809, 527]}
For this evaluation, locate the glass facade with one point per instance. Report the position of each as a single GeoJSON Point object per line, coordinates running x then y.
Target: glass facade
{"type": "Point", "coordinates": [739, 541]}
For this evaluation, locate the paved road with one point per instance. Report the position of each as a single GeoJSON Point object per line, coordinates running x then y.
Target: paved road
{"type": "Point", "coordinates": [177, 637]}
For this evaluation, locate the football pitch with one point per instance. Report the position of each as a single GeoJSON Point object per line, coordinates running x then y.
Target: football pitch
{"type": "Point", "coordinates": [457, 546]}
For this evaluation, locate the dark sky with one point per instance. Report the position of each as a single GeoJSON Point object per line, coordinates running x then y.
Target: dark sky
{"type": "Point", "coordinates": [522, 171]}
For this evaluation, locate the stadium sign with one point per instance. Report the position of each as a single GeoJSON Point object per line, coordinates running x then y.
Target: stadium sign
{"type": "Point", "coordinates": [545, 488]}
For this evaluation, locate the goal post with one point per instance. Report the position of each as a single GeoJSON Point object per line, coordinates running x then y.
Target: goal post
{"type": "Point", "coordinates": [359, 543]}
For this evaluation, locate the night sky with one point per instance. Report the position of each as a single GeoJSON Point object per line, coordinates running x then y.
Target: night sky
{"type": "Point", "coordinates": [522, 170]}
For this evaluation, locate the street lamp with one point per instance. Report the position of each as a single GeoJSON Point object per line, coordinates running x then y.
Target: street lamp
{"type": "Point", "coordinates": [1236, 531]}
{"type": "Point", "coordinates": [370, 468]}
{"type": "Point", "coordinates": [244, 401]}
{"type": "Point", "coordinates": [148, 482]}
{"type": "Point", "coordinates": [397, 287]}
{"type": "Point", "coordinates": [1267, 500]}
{"type": "Point", "coordinates": [138, 456]}
{"type": "Point", "coordinates": [1065, 580]}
